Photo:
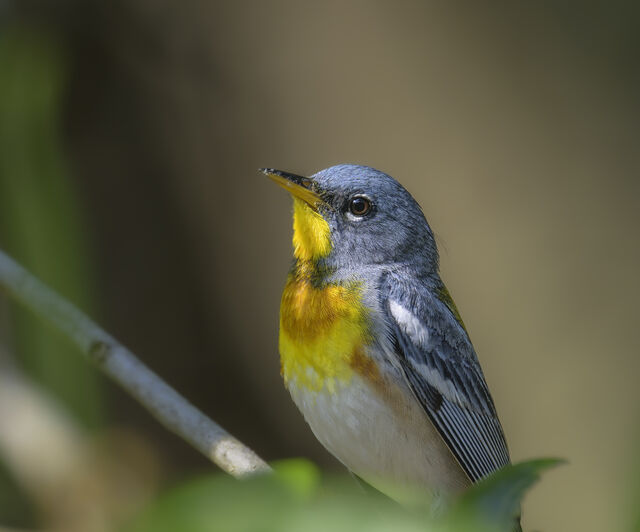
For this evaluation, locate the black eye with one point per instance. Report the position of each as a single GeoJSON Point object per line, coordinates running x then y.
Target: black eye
{"type": "Point", "coordinates": [359, 206]}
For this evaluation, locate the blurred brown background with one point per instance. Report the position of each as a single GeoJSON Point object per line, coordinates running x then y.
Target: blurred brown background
{"type": "Point", "coordinates": [515, 127]}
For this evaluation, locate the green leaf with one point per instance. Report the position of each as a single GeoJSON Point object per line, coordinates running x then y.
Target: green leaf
{"type": "Point", "coordinates": [300, 475]}
{"type": "Point", "coordinates": [496, 500]}
{"type": "Point", "coordinates": [219, 503]}
{"type": "Point", "coordinates": [293, 500]}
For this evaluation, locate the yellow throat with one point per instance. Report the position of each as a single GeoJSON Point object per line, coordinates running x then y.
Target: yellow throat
{"type": "Point", "coordinates": [311, 233]}
{"type": "Point", "coordinates": [323, 326]}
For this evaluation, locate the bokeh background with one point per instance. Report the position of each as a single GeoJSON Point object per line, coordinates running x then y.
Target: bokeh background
{"type": "Point", "coordinates": [130, 135]}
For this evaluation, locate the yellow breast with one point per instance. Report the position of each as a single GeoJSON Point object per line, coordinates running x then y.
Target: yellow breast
{"type": "Point", "coordinates": [323, 330]}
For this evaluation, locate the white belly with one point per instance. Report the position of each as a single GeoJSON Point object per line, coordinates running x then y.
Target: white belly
{"type": "Point", "coordinates": [382, 435]}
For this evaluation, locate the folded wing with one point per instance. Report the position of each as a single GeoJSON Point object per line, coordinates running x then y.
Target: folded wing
{"type": "Point", "coordinates": [441, 367]}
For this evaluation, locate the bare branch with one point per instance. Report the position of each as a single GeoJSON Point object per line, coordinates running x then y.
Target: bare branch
{"type": "Point", "coordinates": [164, 403]}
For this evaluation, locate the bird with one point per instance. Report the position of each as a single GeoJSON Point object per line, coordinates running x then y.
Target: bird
{"type": "Point", "coordinates": [372, 347]}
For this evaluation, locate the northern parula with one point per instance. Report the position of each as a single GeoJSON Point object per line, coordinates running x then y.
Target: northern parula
{"type": "Point", "coordinates": [372, 347]}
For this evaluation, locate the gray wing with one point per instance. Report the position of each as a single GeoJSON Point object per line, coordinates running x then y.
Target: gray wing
{"type": "Point", "coordinates": [441, 367]}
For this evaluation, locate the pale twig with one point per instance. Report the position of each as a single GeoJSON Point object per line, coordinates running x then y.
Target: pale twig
{"type": "Point", "coordinates": [164, 403]}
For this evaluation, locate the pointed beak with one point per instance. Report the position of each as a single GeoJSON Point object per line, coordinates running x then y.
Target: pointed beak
{"type": "Point", "coordinates": [297, 185]}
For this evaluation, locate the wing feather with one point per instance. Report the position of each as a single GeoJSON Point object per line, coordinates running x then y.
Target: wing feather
{"type": "Point", "coordinates": [441, 367]}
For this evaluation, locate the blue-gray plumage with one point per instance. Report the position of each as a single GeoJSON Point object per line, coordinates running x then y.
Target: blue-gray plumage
{"type": "Point", "coordinates": [445, 375]}
{"type": "Point", "coordinates": [425, 416]}
{"type": "Point", "coordinates": [395, 245]}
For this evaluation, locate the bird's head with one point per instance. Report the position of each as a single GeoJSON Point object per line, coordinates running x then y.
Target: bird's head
{"type": "Point", "coordinates": [350, 215]}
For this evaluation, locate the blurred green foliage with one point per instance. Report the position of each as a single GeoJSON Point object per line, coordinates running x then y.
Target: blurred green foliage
{"type": "Point", "coordinates": [16, 509]}
{"type": "Point", "coordinates": [41, 223]}
{"type": "Point", "coordinates": [632, 508]}
{"type": "Point", "coordinates": [296, 498]}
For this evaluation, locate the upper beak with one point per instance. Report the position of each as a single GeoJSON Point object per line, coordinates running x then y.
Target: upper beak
{"type": "Point", "coordinates": [296, 185]}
